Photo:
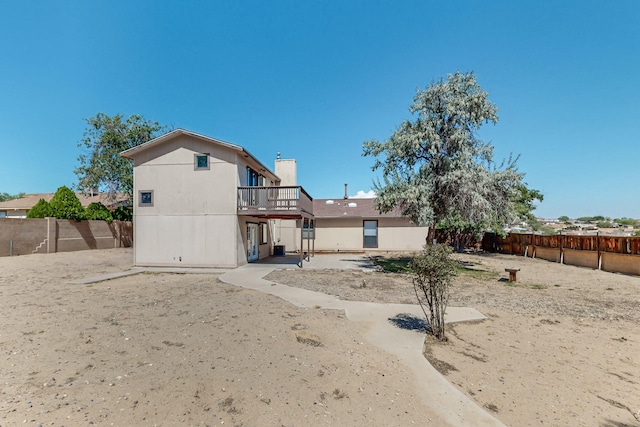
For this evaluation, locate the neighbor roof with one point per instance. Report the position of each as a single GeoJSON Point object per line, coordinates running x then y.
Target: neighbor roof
{"type": "Point", "coordinates": [349, 208]}
{"type": "Point", "coordinates": [30, 200]}
{"type": "Point", "coordinates": [132, 152]}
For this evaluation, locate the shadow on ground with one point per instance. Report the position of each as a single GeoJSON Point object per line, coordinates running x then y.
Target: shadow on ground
{"type": "Point", "coordinates": [410, 322]}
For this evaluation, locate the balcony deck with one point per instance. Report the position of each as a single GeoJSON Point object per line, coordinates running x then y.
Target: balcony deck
{"type": "Point", "coordinates": [275, 202]}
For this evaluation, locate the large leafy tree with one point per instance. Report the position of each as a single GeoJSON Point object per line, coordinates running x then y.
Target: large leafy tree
{"type": "Point", "coordinates": [6, 196]}
{"type": "Point", "coordinates": [101, 166]}
{"type": "Point", "coordinates": [524, 203]}
{"type": "Point", "coordinates": [435, 167]}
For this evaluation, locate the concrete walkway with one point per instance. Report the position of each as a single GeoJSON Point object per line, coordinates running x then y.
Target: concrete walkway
{"type": "Point", "coordinates": [441, 396]}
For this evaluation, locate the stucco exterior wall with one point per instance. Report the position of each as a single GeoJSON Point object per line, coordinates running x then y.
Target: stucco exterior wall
{"type": "Point", "coordinates": [193, 220]}
{"type": "Point", "coordinates": [185, 240]}
{"type": "Point", "coordinates": [399, 234]}
{"type": "Point", "coordinates": [286, 233]}
{"type": "Point", "coordinates": [346, 235]}
{"type": "Point", "coordinates": [287, 171]}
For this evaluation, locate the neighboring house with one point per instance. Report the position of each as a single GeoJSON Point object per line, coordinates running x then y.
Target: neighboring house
{"type": "Point", "coordinates": [18, 208]}
{"type": "Point", "coordinates": [202, 202]}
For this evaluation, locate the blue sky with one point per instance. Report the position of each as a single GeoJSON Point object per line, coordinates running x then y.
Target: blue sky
{"type": "Point", "coordinates": [315, 79]}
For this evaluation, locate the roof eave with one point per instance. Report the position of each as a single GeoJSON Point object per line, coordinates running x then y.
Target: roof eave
{"type": "Point", "coordinates": [132, 152]}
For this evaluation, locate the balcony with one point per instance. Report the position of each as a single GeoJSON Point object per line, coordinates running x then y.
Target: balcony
{"type": "Point", "coordinates": [275, 202]}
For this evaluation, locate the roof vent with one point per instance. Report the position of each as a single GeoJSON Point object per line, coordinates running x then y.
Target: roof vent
{"type": "Point", "coordinates": [329, 202]}
{"type": "Point", "coordinates": [352, 205]}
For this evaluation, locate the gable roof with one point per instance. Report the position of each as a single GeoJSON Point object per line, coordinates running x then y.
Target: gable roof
{"type": "Point", "coordinates": [132, 152]}
{"type": "Point", "coordinates": [350, 208]}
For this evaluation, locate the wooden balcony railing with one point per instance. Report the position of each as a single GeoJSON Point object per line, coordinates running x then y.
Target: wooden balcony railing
{"type": "Point", "coordinates": [274, 200]}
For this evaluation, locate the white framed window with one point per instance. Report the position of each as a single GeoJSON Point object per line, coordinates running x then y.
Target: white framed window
{"type": "Point", "coordinates": [201, 161]}
{"type": "Point", "coordinates": [145, 198]}
{"type": "Point", "coordinates": [370, 234]}
{"type": "Point", "coordinates": [264, 233]}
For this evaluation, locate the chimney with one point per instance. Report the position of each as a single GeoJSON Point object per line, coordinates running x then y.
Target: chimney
{"type": "Point", "coordinates": [346, 193]}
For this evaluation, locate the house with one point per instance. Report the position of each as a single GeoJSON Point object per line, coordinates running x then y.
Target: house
{"type": "Point", "coordinates": [354, 225]}
{"type": "Point", "coordinates": [18, 208]}
{"type": "Point", "coordinates": [202, 202]}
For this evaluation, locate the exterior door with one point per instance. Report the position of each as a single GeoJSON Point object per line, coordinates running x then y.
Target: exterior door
{"type": "Point", "coordinates": [252, 242]}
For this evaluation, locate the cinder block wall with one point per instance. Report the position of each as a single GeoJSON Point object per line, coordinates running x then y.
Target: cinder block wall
{"type": "Point", "coordinates": [25, 234]}
{"type": "Point", "coordinates": [29, 235]}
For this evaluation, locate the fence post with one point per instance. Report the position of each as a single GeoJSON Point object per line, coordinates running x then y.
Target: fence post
{"type": "Point", "coordinates": [598, 249]}
{"type": "Point", "coordinates": [10, 247]}
{"type": "Point", "coordinates": [48, 233]}
{"type": "Point", "coordinates": [533, 244]}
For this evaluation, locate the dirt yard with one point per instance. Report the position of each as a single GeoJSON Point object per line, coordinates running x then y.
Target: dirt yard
{"type": "Point", "coordinates": [171, 349]}
{"type": "Point", "coordinates": [560, 347]}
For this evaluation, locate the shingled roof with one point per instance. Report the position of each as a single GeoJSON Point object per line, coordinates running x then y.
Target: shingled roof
{"type": "Point", "coordinates": [29, 200]}
{"type": "Point", "coordinates": [349, 208]}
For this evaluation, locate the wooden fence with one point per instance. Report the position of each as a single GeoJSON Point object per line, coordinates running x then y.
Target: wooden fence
{"type": "Point", "coordinates": [610, 253]}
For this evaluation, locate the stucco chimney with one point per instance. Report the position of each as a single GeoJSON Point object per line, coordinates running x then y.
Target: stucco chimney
{"type": "Point", "coordinates": [287, 171]}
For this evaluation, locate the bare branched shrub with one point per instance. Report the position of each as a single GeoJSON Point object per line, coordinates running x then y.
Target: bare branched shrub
{"type": "Point", "coordinates": [433, 269]}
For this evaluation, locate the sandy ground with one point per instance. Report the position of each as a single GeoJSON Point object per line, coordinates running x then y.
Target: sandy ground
{"type": "Point", "coordinates": [171, 349]}
{"type": "Point", "coordinates": [561, 346]}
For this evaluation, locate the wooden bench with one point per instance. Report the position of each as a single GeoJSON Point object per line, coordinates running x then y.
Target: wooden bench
{"type": "Point", "coordinates": [512, 273]}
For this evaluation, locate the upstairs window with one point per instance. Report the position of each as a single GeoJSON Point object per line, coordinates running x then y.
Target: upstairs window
{"type": "Point", "coordinates": [145, 198]}
{"type": "Point", "coordinates": [201, 161]}
{"type": "Point", "coordinates": [254, 179]}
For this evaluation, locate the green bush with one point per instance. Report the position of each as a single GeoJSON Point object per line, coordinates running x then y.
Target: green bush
{"type": "Point", "coordinates": [65, 205]}
{"type": "Point", "coordinates": [42, 209]}
{"type": "Point", "coordinates": [98, 211]}
{"type": "Point", "coordinates": [433, 269]}
{"type": "Point", "coordinates": [123, 214]}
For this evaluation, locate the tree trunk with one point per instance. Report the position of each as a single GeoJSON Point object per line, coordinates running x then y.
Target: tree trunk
{"type": "Point", "coordinates": [431, 235]}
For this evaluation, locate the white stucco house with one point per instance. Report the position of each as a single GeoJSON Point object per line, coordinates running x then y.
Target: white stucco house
{"type": "Point", "coordinates": [202, 202]}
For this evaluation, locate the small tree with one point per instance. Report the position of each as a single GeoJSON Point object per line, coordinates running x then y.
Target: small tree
{"type": "Point", "coordinates": [433, 269]}
{"type": "Point", "coordinates": [42, 209]}
{"type": "Point", "coordinates": [65, 205]}
{"type": "Point", "coordinates": [98, 211]}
